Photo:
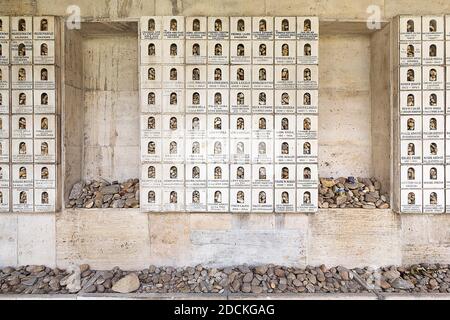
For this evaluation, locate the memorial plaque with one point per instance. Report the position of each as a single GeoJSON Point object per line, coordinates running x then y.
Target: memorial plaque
{"type": "Point", "coordinates": [173, 149]}
{"type": "Point", "coordinates": [411, 177]}
{"type": "Point", "coordinates": [240, 52]}
{"type": "Point", "coordinates": [44, 176]}
{"type": "Point", "coordinates": [173, 77]}
{"type": "Point", "coordinates": [448, 78]}
{"type": "Point", "coordinates": [241, 175]}
{"type": "Point", "coordinates": [447, 27]}
{"type": "Point", "coordinates": [218, 101]}
{"type": "Point", "coordinates": [285, 28]}
{"type": "Point", "coordinates": [151, 199]}
{"type": "Point", "coordinates": [21, 28]}
{"type": "Point", "coordinates": [4, 150]}
{"type": "Point", "coordinates": [218, 52]}
{"type": "Point", "coordinates": [240, 77]}
{"type": "Point", "coordinates": [44, 150]}
{"type": "Point", "coordinates": [411, 200]}
{"type": "Point", "coordinates": [410, 78]}
{"type": "Point", "coordinates": [285, 150]}
{"type": "Point", "coordinates": [433, 177]}
{"type": "Point", "coordinates": [173, 175]}
{"type": "Point", "coordinates": [195, 126]}
{"type": "Point", "coordinates": [262, 151]}
{"type": "Point", "coordinates": [433, 28]}
{"type": "Point", "coordinates": [262, 77]}
{"type": "Point", "coordinates": [218, 175]}
{"type": "Point", "coordinates": [196, 101]}
{"type": "Point", "coordinates": [240, 200]}
{"type": "Point", "coordinates": [21, 51]}
{"type": "Point", "coordinates": [410, 28]}
{"type": "Point", "coordinates": [4, 200]}
{"type": "Point", "coordinates": [447, 151]}
{"type": "Point", "coordinates": [173, 126]}
{"type": "Point", "coordinates": [44, 51]}
{"type": "Point", "coordinates": [262, 126]}
{"type": "Point", "coordinates": [262, 176]}
{"type": "Point", "coordinates": [44, 200]}
{"type": "Point", "coordinates": [4, 27]}
{"type": "Point", "coordinates": [433, 52]}
{"type": "Point", "coordinates": [262, 101]}
{"type": "Point", "coordinates": [307, 52]}
{"type": "Point", "coordinates": [151, 100]}
{"type": "Point", "coordinates": [173, 51]}
{"type": "Point", "coordinates": [4, 176]}
{"type": "Point", "coordinates": [447, 201]}
{"type": "Point", "coordinates": [218, 126]}
{"type": "Point", "coordinates": [285, 175]}
{"type": "Point", "coordinates": [151, 28]}
{"type": "Point", "coordinates": [240, 150]}
{"type": "Point", "coordinates": [196, 28]}
{"type": "Point", "coordinates": [173, 200]}
{"type": "Point", "coordinates": [285, 52]}
{"type": "Point", "coordinates": [285, 101]}
{"type": "Point", "coordinates": [240, 126]}
{"type": "Point", "coordinates": [284, 77]}
{"type": "Point", "coordinates": [173, 101]}
{"type": "Point", "coordinates": [218, 77]}
{"type": "Point", "coordinates": [307, 150]}
{"type": "Point", "coordinates": [22, 150]}
{"type": "Point", "coordinates": [218, 200]}
{"type": "Point", "coordinates": [410, 102]}
{"type": "Point", "coordinates": [307, 176]}
{"type": "Point", "coordinates": [22, 77]}
{"type": "Point", "coordinates": [218, 150]}
{"type": "Point", "coordinates": [447, 52]}
{"type": "Point", "coordinates": [307, 126]}
{"type": "Point", "coordinates": [196, 51]}
{"type": "Point", "coordinates": [285, 126]}
{"type": "Point", "coordinates": [4, 52]}
{"type": "Point", "coordinates": [4, 126]}
{"type": "Point", "coordinates": [447, 128]}
{"type": "Point", "coordinates": [262, 200]}
{"type": "Point", "coordinates": [22, 101]}
{"type": "Point", "coordinates": [196, 150]}
{"type": "Point", "coordinates": [4, 78]}
{"type": "Point", "coordinates": [196, 200]}
{"type": "Point", "coordinates": [285, 200]}
{"type": "Point", "coordinates": [151, 150]}
{"type": "Point", "coordinates": [151, 77]}
{"type": "Point", "coordinates": [447, 177]}
{"type": "Point", "coordinates": [22, 126]}
{"type": "Point", "coordinates": [262, 28]}
{"type": "Point", "coordinates": [307, 28]}
{"type": "Point", "coordinates": [411, 151]}
{"type": "Point", "coordinates": [433, 201]}
{"type": "Point", "coordinates": [307, 77]}
{"type": "Point", "coordinates": [240, 28]}
{"type": "Point", "coordinates": [433, 151]}
{"type": "Point", "coordinates": [240, 101]}
{"type": "Point", "coordinates": [151, 175]}
{"type": "Point", "coordinates": [218, 28]}
{"type": "Point", "coordinates": [151, 51]}
{"type": "Point", "coordinates": [411, 53]}
{"type": "Point", "coordinates": [262, 52]}
{"type": "Point", "coordinates": [173, 28]}
{"type": "Point", "coordinates": [433, 127]}
{"type": "Point", "coordinates": [151, 126]}
{"type": "Point", "coordinates": [196, 175]}
{"type": "Point", "coordinates": [307, 200]}
{"type": "Point", "coordinates": [44, 28]}
{"type": "Point", "coordinates": [4, 101]}
{"type": "Point", "coordinates": [196, 77]}
{"type": "Point", "coordinates": [22, 200]}
{"type": "Point", "coordinates": [44, 126]}
{"type": "Point", "coordinates": [411, 127]}
{"type": "Point", "coordinates": [44, 77]}
{"type": "Point", "coordinates": [433, 102]}
{"type": "Point", "coordinates": [307, 101]}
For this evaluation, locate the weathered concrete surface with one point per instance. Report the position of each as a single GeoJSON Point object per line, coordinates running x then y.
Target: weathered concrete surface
{"type": "Point", "coordinates": [8, 239]}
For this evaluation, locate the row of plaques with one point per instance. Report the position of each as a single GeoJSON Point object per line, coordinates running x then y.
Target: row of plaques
{"type": "Point", "coordinates": [27, 77]}
{"type": "Point", "coordinates": [426, 176]}
{"type": "Point", "coordinates": [28, 150]}
{"type": "Point", "coordinates": [425, 201]}
{"type": "Point", "coordinates": [27, 101]}
{"type": "Point", "coordinates": [27, 28]}
{"type": "Point", "coordinates": [424, 102]}
{"type": "Point", "coordinates": [22, 126]}
{"type": "Point", "coordinates": [427, 78]}
{"type": "Point", "coordinates": [424, 53]}
{"type": "Point", "coordinates": [27, 51]}
{"type": "Point", "coordinates": [28, 200]}
{"type": "Point", "coordinates": [426, 28]}
{"type": "Point", "coordinates": [28, 176]}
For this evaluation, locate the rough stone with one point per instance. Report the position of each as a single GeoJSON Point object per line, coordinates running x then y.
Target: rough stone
{"type": "Point", "coordinates": [127, 284]}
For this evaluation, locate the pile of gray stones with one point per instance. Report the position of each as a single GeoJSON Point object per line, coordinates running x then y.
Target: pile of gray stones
{"type": "Point", "coordinates": [352, 192]}
{"type": "Point", "coordinates": [263, 279]}
{"type": "Point", "coordinates": [104, 194]}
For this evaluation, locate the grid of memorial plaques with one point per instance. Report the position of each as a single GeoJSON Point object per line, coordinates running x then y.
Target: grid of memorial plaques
{"type": "Point", "coordinates": [425, 137]}
{"type": "Point", "coordinates": [27, 114]}
{"type": "Point", "coordinates": [229, 114]}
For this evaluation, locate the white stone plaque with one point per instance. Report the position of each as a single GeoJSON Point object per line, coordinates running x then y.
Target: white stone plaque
{"type": "Point", "coordinates": [240, 52]}
{"type": "Point", "coordinates": [284, 101]}
{"type": "Point", "coordinates": [285, 52]}
{"type": "Point", "coordinates": [196, 51]}
{"type": "Point", "coordinates": [4, 101]}
{"type": "Point", "coordinates": [218, 28]}
{"type": "Point", "coordinates": [285, 150]}
{"type": "Point", "coordinates": [262, 101]}
{"type": "Point", "coordinates": [240, 101]}
{"type": "Point", "coordinates": [173, 126]}
{"type": "Point", "coordinates": [307, 200]}
{"type": "Point", "coordinates": [4, 27]}
{"type": "Point", "coordinates": [173, 175]}
{"type": "Point", "coordinates": [173, 101]}
{"type": "Point", "coordinates": [4, 77]}
{"type": "Point", "coordinates": [22, 77]}
{"type": "Point", "coordinates": [410, 78]}
{"type": "Point", "coordinates": [262, 28]}
{"type": "Point", "coordinates": [218, 126]}
{"type": "Point", "coordinates": [433, 52]}
{"type": "Point", "coordinates": [410, 53]}
{"type": "Point", "coordinates": [196, 101]}
{"type": "Point", "coordinates": [21, 51]}
{"type": "Point", "coordinates": [22, 126]}
{"type": "Point", "coordinates": [22, 199]}
{"type": "Point", "coordinates": [151, 51]}
{"type": "Point", "coordinates": [307, 52]}
{"type": "Point", "coordinates": [433, 177]}
{"type": "Point", "coordinates": [4, 199]}
{"type": "Point", "coordinates": [44, 150]}
{"type": "Point", "coordinates": [22, 150]}
{"type": "Point", "coordinates": [151, 199]}
{"type": "Point", "coordinates": [173, 149]}
{"type": "Point", "coordinates": [447, 177]}
{"type": "Point", "coordinates": [196, 77]}
{"type": "Point", "coordinates": [411, 151]}
{"type": "Point", "coordinates": [218, 52]}
{"type": "Point", "coordinates": [285, 175]}
{"type": "Point", "coordinates": [173, 27]}
{"type": "Point", "coordinates": [307, 28]}
{"type": "Point", "coordinates": [240, 126]}
{"type": "Point", "coordinates": [241, 175]}
{"type": "Point", "coordinates": [447, 153]}
{"type": "Point", "coordinates": [433, 102]}
{"type": "Point", "coordinates": [44, 77]}
{"type": "Point", "coordinates": [240, 150]}
{"type": "Point", "coordinates": [21, 28]}
{"type": "Point", "coordinates": [44, 200]}
{"type": "Point", "coordinates": [433, 201]}
{"type": "Point", "coordinates": [285, 28]}
{"type": "Point", "coordinates": [218, 200]}
{"type": "Point", "coordinates": [447, 52]}
{"type": "Point", "coordinates": [307, 176]}
{"type": "Point", "coordinates": [196, 175]}
{"type": "Point", "coordinates": [307, 77]}
{"type": "Point", "coordinates": [433, 151]}
{"type": "Point", "coordinates": [4, 150]}
{"type": "Point", "coordinates": [173, 200]}
{"type": "Point", "coordinates": [151, 175]}
{"type": "Point", "coordinates": [218, 101]}
{"type": "Point", "coordinates": [44, 28]}
{"type": "Point", "coordinates": [218, 150]}
{"type": "Point", "coordinates": [307, 101]}
{"type": "Point", "coordinates": [285, 126]}
{"type": "Point", "coordinates": [240, 28]}
{"type": "Point", "coordinates": [307, 150]}
{"type": "Point", "coordinates": [284, 77]}
{"type": "Point", "coordinates": [285, 200]}
{"type": "Point", "coordinates": [173, 77]}
{"type": "Point", "coordinates": [410, 102]}
{"type": "Point", "coordinates": [218, 175]}
{"type": "Point", "coordinates": [432, 28]}
{"type": "Point", "coordinates": [151, 28]}
{"type": "Point", "coordinates": [173, 51]}
{"type": "Point", "coordinates": [262, 176]}
{"type": "Point", "coordinates": [240, 200]}
{"type": "Point", "coordinates": [4, 52]}
{"type": "Point", "coordinates": [22, 101]}
{"type": "Point", "coordinates": [44, 101]}
{"type": "Point", "coordinates": [44, 51]}
{"type": "Point", "coordinates": [307, 126]}
{"type": "Point", "coordinates": [262, 151]}
{"type": "Point", "coordinates": [411, 200]}
{"type": "Point", "coordinates": [218, 77]}
{"type": "Point", "coordinates": [448, 78]}
{"type": "Point", "coordinates": [447, 27]}
{"type": "Point", "coordinates": [44, 126]}
{"type": "Point", "coordinates": [262, 200]}
{"type": "Point", "coordinates": [196, 199]}
{"type": "Point", "coordinates": [433, 127]}
{"type": "Point", "coordinates": [447, 201]}
{"type": "Point", "coordinates": [44, 176]}
{"type": "Point", "coordinates": [411, 177]}
{"type": "Point", "coordinates": [410, 127]}
{"type": "Point", "coordinates": [151, 100]}
{"type": "Point", "coordinates": [151, 150]}
{"type": "Point", "coordinates": [262, 126]}
{"type": "Point", "coordinates": [151, 126]}
{"type": "Point", "coordinates": [447, 128]}
{"type": "Point", "coordinates": [4, 176]}
{"type": "Point", "coordinates": [262, 52]}
{"type": "Point", "coordinates": [262, 77]}
{"type": "Point", "coordinates": [4, 126]}
{"type": "Point", "coordinates": [240, 77]}
{"type": "Point", "coordinates": [410, 28]}
{"type": "Point", "coordinates": [195, 126]}
{"type": "Point", "coordinates": [196, 150]}
{"type": "Point", "coordinates": [196, 28]}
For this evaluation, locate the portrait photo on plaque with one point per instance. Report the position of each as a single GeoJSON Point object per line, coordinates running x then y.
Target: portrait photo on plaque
{"type": "Point", "coordinates": [284, 101]}
{"type": "Point", "coordinates": [307, 200]}
{"type": "Point", "coordinates": [4, 52]}
{"type": "Point", "coordinates": [262, 176]}
{"type": "Point", "coordinates": [218, 150]}
{"type": "Point", "coordinates": [196, 28]}
{"type": "Point", "coordinates": [284, 77]}
{"type": "Point", "coordinates": [44, 77]}
{"type": "Point", "coordinates": [240, 77]}
{"type": "Point", "coordinates": [218, 52]}
{"type": "Point", "coordinates": [4, 77]}
{"type": "Point", "coordinates": [410, 78]}
{"type": "Point", "coordinates": [151, 100]}
{"type": "Point", "coordinates": [44, 51]}
{"type": "Point", "coordinates": [285, 200]}
{"type": "Point", "coordinates": [173, 77]}
{"type": "Point", "coordinates": [196, 77]}
{"type": "Point", "coordinates": [4, 126]}
{"type": "Point", "coordinates": [196, 100]}
{"type": "Point", "coordinates": [151, 150]}
{"type": "Point", "coordinates": [240, 150]}
{"type": "Point", "coordinates": [433, 151]}
{"type": "Point", "coordinates": [196, 126]}
{"type": "Point", "coordinates": [196, 150]}
{"type": "Point", "coordinates": [173, 126]}
{"type": "Point", "coordinates": [263, 52]}
{"type": "Point", "coordinates": [285, 175]}
{"type": "Point", "coordinates": [240, 101]}
{"type": "Point", "coordinates": [151, 126]}
{"type": "Point", "coordinates": [285, 150]}
{"type": "Point", "coordinates": [4, 175]}
{"type": "Point", "coordinates": [173, 200]}
{"type": "Point", "coordinates": [151, 28]}
{"type": "Point", "coordinates": [151, 199]}
{"type": "Point", "coordinates": [196, 175]}
{"type": "Point", "coordinates": [173, 149]}
{"type": "Point", "coordinates": [411, 200]}
{"type": "Point", "coordinates": [433, 102]}
{"type": "Point", "coordinates": [240, 199]}
{"type": "Point", "coordinates": [22, 77]}
{"type": "Point", "coordinates": [151, 77]}
{"type": "Point", "coordinates": [21, 51]}
{"type": "Point", "coordinates": [4, 27]}
{"type": "Point", "coordinates": [307, 150]}
{"type": "Point", "coordinates": [410, 127]}
{"type": "Point", "coordinates": [285, 126]}
{"type": "Point", "coordinates": [240, 126]}
{"type": "Point", "coordinates": [218, 77]}
{"type": "Point", "coordinates": [22, 101]}
{"type": "Point", "coordinates": [44, 176]}
{"type": "Point", "coordinates": [4, 199]}
{"type": "Point", "coordinates": [410, 28]}
{"type": "Point", "coordinates": [240, 175]}
{"type": "Point", "coordinates": [411, 151]}
{"type": "Point", "coordinates": [4, 102]}
{"type": "Point", "coordinates": [433, 127]}
{"type": "Point", "coordinates": [218, 101]}
{"type": "Point", "coordinates": [307, 176]}
{"type": "Point", "coordinates": [307, 28]}
{"type": "Point", "coordinates": [262, 126]}
{"type": "Point", "coordinates": [240, 52]}
{"type": "Point", "coordinates": [285, 51]}
{"type": "Point", "coordinates": [307, 77]}
{"type": "Point", "coordinates": [173, 51]}
{"type": "Point", "coordinates": [22, 126]}
{"type": "Point", "coordinates": [44, 28]}
{"type": "Point", "coordinates": [307, 126]}
{"type": "Point", "coordinates": [262, 200]}
{"type": "Point", "coordinates": [240, 28]}
{"type": "Point", "coordinates": [196, 199]}
{"type": "Point", "coordinates": [218, 126]}
{"type": "Point", "coordinates": [410, 102]}
{"type": "Point", "coordinates": [21, 28]}
{"type": "Point", "coordinates": [22, 199]}
{"type": "Point", "coordinates": [151, 51]}
{"type": "Point", "coordinates": [433, 52]}
{"type": "Point", "coordinates": [173, 27]}
{"type": "Point", "coordinates": [44, 200]}
{"type": "Point", "coordinates": [262, 101]}
{"type": "Point", "coordinates": [307, 52]}
{"type": "Point", "coordinates": [196, 51]}
{"type": "Point", "coordinates": [285, 28]}
{"type": "Point", "coordinates": [173, 175]}
{"type": "Point", "coordinates": [218, 175]}
{"type": "Point", "coordinates": [307, 101]}
{"type": "Point", "coordinates": [411, 176]}
{"type": "Point", "coordinates": [218, 28]}
{"type": "Point", "coordinates": [433, 176]}
{"type": "Point", "coordinates": [410, 53]}
{"type": "Point", "coordinates": [433, 201]}
{"type": "Point", "coordinates": [433, 28]}
{"type": "Point", "coordinates": [173, 101]}
{"type": "Point", "coordinates": [44, 150]}
{"type": "Point", "coordinates": [21, 149]}
{"type": "Point", "coordinates": [4, 150]}
{"type": "Point", "coordinates": [218, 200]}
{"type": "Point", "coordinates": [151, 175]}
{"type": "Point", "coordinates": [262, 28]}
{"type": "Point", "coordinates": [262, 77]}
{"type": "Point", "coordinates": [44, 126]}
